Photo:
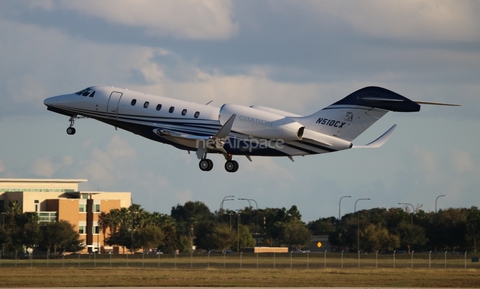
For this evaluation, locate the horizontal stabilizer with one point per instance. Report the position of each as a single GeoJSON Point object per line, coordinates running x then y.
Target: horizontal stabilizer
{"type": "Point", "coordinates": [436, 103]}
{"type": "Point", "coordinates": [379, 141]}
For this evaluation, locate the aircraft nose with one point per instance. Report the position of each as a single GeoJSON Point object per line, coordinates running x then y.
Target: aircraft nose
{"type": "Point", "coordinates": [56, 100]}
{"type": "Point", "coordinates": [49, 101]}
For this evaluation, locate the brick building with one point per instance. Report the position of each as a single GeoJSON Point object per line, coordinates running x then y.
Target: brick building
{"type": "Point", "coordinates": [61, 199]}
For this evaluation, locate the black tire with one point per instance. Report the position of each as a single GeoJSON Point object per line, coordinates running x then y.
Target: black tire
{"type": "Point", "coordinates": [205, 165]}
{"type": "Point", "coordinates": [231, 166]}
{"type": "Point", "coordinates": [71, 130]}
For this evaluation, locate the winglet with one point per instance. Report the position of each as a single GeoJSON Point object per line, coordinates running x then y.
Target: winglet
{"type": "Point", "coordinates": [380, 140]}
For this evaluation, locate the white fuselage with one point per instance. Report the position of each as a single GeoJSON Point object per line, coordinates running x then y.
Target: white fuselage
{"type": "Point", "coordinates": [182, 123]}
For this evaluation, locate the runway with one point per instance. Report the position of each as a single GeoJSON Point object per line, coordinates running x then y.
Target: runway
{"type": "Point", "coordinates": [226, 287]}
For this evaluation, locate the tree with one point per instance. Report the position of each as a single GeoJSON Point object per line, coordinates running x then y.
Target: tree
{"type": "Point", "coordinates": [149, 237]}
{"type": "Point", "coordinates": [449, 228]}
{"type": "Point", "coordinates": [222, 237]}
{"type": "Point", "coordinates": [376, 238]}
{"type": "Point", "coordinates": [170, 242]}
{"type": "Point", "coordinates": [295, 234]}
{"type": "Point", "coordinates": [410, 235]}
{"type": "Point", "coordinates": [26, 231]}
{"type": "Point", "coordinates": [60, 236]}
{"type": "Point", "coordinates": [473, 227]}
{"type": "Point", "coordinates": [322, 226]}
{"type": "Point", "coordinates": [103, 223]}
{"type": "Point", "coordinates": [4, 237]}
{"type": "Point", "coordinates": [122, 237]}
{"type": "Point", "coordinates": [245, 239]}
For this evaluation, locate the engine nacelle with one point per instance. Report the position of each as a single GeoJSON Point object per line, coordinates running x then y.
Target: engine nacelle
{"type": "Point", "coordinates": [262, 124]}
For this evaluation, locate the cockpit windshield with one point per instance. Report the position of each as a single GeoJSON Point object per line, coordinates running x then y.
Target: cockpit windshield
{"type": "Point", "coordinates": [86, 92]}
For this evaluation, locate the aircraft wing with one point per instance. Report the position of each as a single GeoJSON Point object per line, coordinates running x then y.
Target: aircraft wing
{"type": "Point", "coordinates": [203, 144]}
{"type": "Point", "coordinates": [175, 134]}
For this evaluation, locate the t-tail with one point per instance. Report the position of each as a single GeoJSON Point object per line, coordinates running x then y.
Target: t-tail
{"type": "Point", "coordinates": [352, 115]}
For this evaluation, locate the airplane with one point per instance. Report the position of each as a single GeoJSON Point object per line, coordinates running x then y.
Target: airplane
{"type": "Point", "coordinates": [232, 129]}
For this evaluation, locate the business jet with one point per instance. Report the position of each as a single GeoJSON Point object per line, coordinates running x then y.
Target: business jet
{"type": "Point", "coordinates": [235, 130]}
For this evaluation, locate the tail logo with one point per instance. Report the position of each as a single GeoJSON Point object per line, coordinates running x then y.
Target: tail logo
{"type": "Point", "coordinates": [349, 116]}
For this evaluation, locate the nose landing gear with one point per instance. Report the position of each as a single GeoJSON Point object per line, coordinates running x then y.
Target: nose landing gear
{"type": "Point", "coordinates": [71, 130]}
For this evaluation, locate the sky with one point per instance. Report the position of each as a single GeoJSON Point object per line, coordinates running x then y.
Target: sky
{"type": "Point", "coordinates": [298, 56]}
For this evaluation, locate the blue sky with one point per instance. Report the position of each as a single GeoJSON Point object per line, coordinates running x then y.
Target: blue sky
{"type": "Point", "coordinates": [298, 56]}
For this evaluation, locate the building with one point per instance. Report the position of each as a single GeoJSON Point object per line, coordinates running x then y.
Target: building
{"type": "Point", "coordinates": [61, 199]}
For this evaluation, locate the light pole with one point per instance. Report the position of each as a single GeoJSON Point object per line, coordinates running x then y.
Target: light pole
{"type": "Point", "coordinates": [413, 210]}
{"type": "Point", "coordinates": [339, 202]}
{"type": "Point", "coordinates": [250, 204]}
{"type": "Point", "coordinates": [358, 226]}
{"type": "Point", "coordinates": [226, 198]}
{"type": "Point", "coordinates": [256, 215]}
{"type": "Point", "coordinates": [437, 200]}
{"type": "Point", "coordinates": [238, 231]}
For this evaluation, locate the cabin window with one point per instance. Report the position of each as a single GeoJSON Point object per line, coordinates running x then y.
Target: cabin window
{"type": "Point", "coordinates": [172, 108]}
{"type": "Point", "coordinates": [145, 105]}
{"type": "Point", "coordinates": [159, 107]}
{"type": "Point", "coordinates": [197, 114]}
{"type": "Point", "coordinates": [184, 112]}
{"type": "Point", "coordinates": [91, 95]}
{"type": "Point", "coordinates": [134, 101]}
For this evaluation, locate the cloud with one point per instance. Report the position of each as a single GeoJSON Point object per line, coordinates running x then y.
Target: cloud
{"type": "Point", "coordinates": [427, 164]}
{"type": "Point", "coordinates": [111, 164]}
{"type": "Point", "coordinates": [462, 162]}
{"type": "Point", "coordinates": [43, 167]}
{"type": "Point", "coordinates": [428, 20]}
{"type": "Point", "coordinates": [188, 19]}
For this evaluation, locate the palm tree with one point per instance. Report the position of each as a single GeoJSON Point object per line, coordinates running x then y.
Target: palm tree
{"type": "Point", "coordinates": [114, 220]}
{"type": "Point", "coordinates": [13, 209]}
{"type": "Point", "coordinates": [103, 223]}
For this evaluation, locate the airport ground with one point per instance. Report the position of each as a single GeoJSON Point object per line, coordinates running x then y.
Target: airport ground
{"type": "Point", "coordinates": [234, 270]}
{"type": "Point", "coordinates": [129, 277]}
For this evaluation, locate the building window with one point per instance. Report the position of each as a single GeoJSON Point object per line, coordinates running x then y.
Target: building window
{"type": "Point", "coordinates": [36, 205]}
{"type": "Point", "coordinates": [95, 230]}
{"type": "Point", "coordinates": [197, 114]}
{"type": "Point", "coordinates": [96, 208]}
{"type": "Point", "coordinates": [159, 107]}
{"type": "Point", "coordinates": [82, 208]}
{"type": "Point", "coordinates": [172, 108]}
{"type": "Point", "coordinates": [184, 112]}
{"type": "Point", "coordinates": [82, 230]}
{"type": "Point", "coordinates": [134, 101]}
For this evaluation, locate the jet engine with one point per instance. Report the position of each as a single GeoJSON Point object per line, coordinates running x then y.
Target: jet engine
{"type": "Point", "coordinates": [261, 124]}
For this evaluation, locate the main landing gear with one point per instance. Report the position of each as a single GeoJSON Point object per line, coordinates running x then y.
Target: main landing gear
{"type": "Point", "coordinates": [206, 165]}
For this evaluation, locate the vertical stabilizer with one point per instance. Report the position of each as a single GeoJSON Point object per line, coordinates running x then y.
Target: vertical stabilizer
{"type": "Point", "coordinates": [352, 115]}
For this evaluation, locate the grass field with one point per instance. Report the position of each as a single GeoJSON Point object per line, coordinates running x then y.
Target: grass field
{"type": "Point", "coordinates": [264, 270]}
{"type": "Point", "coordinates": [137, 277]}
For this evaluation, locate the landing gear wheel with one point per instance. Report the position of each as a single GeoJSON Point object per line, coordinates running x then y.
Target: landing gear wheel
{"type": "Point", "coordinates": [205, 165]}
{"type": "Point", "coordinates": [71, 130]}
{"type": "Point", "coordinates": [231, 166]}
